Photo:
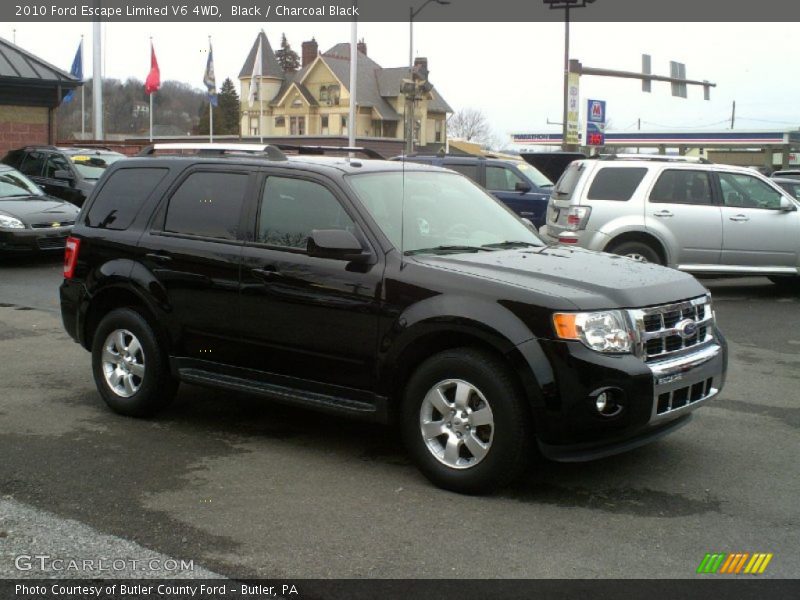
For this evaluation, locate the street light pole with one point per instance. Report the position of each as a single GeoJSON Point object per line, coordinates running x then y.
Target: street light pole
{"type": "Point", "coordinates": [566, 5]}
{"type": "Point", "coordinates": [409, 97]}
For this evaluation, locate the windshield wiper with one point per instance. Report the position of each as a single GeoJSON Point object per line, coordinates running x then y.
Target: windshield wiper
{"type": "Point", "coordinates": [447, 249]}
{"type": "Point", "coordinates": [511, 244]}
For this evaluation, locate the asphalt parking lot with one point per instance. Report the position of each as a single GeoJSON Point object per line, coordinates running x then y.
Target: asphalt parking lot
{"type": "Point", "coordinates": [246, 488]}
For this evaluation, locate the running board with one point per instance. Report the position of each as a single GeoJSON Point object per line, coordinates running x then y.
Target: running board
{"type": "Point", "coordinates": [376, 411]}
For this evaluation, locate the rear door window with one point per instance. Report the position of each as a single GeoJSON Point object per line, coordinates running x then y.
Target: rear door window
{"type": "Point", "coordinates": [682, 186]}
{"type": "Point", "coordinates": [33, 164]}
{"type": "Point", "coordinates": [470, 171]}
{"type": "Point", "coordinates": [615, 183]}
{"type": "Point", "coordinates": [208, 204]}
{"type": "Point", "coordinates": [122, 195]}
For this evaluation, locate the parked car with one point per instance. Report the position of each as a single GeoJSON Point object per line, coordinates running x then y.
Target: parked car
{"type": "Point", "coordinates": [692, 215]}
{"type": "Point", "coordinates": [790, 185]}
{"type": "Point", "coordinates": [519, 185]}
{"type": "Point", "coordinates": [786, 174]}
{"type": "Point", "coordinates": [397, 293]}
{"type": "Point", "coordinates": [67, 173]}
{"type": "Point", "coordinates": [31, 221]}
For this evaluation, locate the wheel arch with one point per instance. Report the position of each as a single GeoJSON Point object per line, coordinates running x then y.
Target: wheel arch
{"type": "Point", "coordinates": [642, 237]}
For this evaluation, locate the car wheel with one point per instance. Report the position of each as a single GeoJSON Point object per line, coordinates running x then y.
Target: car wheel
{"type": "Point", "coordinates": [638, 251]}
{"type": "Point", "coordinates": [786, 282]}
{"type": "Point", "coordinates": [465, 422]}
{"type": "Point", "coordinates": [130, 369]}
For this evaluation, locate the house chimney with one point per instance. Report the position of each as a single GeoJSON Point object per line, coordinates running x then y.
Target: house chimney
{"type": "Point", "coordinates": [310, 51]}
{"type": "Point", "coordinates": [362, 47]}
{"type": "Point", "coordinates": [421, 68]}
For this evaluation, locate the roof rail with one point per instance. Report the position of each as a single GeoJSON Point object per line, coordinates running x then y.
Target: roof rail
{"type": "Point", "coordinates": [41, 146]}
{"type": "Point", "coordinates": [319, 150]}
{"type": "Point", "coordinates": [269, 151]}
{"type": "Point", "coordinates": [89, 147]}
{"type": "Point", "coordinates": [655, 157]}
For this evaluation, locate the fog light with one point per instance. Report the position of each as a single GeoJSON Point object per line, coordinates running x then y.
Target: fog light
{"type": "Point", "coordinates": [601, 402]}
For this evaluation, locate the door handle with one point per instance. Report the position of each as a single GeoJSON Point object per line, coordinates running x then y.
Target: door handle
{"type": "Point", "coordinates": [740, 218]}
{"type": "Point", "coordinates": [268, 273]}
{"type": "Point", "coordinates": [663, 213]}
{"type": "Point", "coordinates": [158, 257]}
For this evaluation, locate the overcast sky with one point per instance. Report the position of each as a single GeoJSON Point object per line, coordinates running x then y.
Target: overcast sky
{"type": "Point", "coordinates": [511, 71]}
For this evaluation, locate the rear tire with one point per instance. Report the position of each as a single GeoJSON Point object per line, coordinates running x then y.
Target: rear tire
{"type": "Point", "coordinates": [130, 369]}
{"type": "Point", "coordinates": [786, 282]}
{"type": "Point", "coordinates": [638, 251]}
{"type": "Point", "coordinates": [465, 422]}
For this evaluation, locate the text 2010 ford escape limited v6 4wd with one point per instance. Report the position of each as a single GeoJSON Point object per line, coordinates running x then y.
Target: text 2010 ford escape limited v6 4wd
{"type": "Point", "coordinates": [394, 292]}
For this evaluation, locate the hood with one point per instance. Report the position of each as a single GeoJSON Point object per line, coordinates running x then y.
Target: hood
{"type": "Point", "coordinates": [587, 280]}
{"type": "Point", "coordinates": [39, 209]}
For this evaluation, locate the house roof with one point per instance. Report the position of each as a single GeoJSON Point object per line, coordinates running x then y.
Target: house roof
{"type": "Point", "coordinates": [270, 67]}
{"type": "Point", "coordinates": [309, 97]}
{"type": "Point", "coordinates": [16, 63]}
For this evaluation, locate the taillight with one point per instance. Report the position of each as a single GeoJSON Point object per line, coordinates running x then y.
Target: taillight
{"type": "Point", "coordinates": [71, 256]}
{"type": "Point", "coordinates": [577, 217]}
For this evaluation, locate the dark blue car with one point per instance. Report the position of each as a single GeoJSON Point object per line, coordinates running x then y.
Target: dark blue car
{"type": "Point", "coordinates": [519, 185]}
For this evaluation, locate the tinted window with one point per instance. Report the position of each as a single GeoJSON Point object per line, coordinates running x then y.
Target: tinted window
{"type": "Point", "coordinates": [13, 158]}
{"type": "Point", "coordinates": [746, 191]}
{"type": "Point", "coordinates": [292, 208]}
{"type": "Point", "coordinates": [792, 188]}
{"type": "Point", "coordinates": [207, 204]}
{"type": "Point", "coordinates": [470, 171]}
{"type": "Point", "coordinates": [121, 197]}
{"type": "Point", "coordinates": [682, 187]}
{"type": "Point", "coordinates": [568, 180]}
{"type": "Point", "coordinates": [33, 164]}
{"type": "Point", "coordinates": [615, 183]}
{"type": "Point", "coordinates": [501, 179]}
{"type": "Point", "coordinates": [55, 162]}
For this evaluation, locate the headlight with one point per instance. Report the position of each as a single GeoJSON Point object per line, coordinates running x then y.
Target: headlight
{"type": "Point", "coordinates": [605, 331]}
{"type": "Point", "coordinates": [8, 222]}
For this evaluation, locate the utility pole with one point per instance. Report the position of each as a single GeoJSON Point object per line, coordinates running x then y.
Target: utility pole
{"type": "Point", "coordinates": [733, 114]}
{"type": "Point", "coordinates": [97, 80]}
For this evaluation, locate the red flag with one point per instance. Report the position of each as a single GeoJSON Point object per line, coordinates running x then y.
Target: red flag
{"type": "Point", "coordinates": [153, 81]}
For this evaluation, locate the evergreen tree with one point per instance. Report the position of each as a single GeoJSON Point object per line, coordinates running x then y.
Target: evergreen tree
{"type": "Point", "coordinates": [226, 115]}
{"type": "Point", "coordinates": [288, 58]}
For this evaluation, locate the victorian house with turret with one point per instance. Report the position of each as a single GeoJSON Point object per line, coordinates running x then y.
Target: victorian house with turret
{"type": "Point", "coordinates": [315, 100]}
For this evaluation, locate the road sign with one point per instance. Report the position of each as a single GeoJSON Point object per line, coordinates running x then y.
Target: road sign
{"type": "Point", "coordinates": [595, 122]}
{"type": "Point", "coordinates": [596, 112]}
{"type": "Point", "coordinates": [573, 112]}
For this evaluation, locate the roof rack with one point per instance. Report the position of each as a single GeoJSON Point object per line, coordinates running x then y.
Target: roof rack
{"type": "Point", "coordinates": [89, 147]}
{"type": "Point", "coordinates": [41, 146]}
{"type": "Point", "coordinates": [320, 150]}
{"type": "Point", "coordinates": [269, 151]}
{"type": "Point", "coordinates": [654, 157]}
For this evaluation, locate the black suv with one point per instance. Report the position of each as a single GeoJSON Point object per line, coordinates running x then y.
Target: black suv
{"type": "Point", "coordinates": [516, 183]}
{"type": "Point", "coordinates": [66, 173]}
{"type": "Point", "coordinates": [393, 292]}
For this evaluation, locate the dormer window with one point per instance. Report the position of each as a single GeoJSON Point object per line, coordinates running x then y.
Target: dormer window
{"type": "Point", "coordinates": [329, 94]}
{"type": "Point", "coordinates": [297, 103]}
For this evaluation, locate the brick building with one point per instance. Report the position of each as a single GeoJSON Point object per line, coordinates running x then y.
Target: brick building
{"type": "Point", "coordinates": [30, 92]}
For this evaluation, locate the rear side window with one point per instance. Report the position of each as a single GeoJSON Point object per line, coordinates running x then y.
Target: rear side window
{"type": "Point", "coordinates": [13, 158]}
{"type": "Point", "coordinates": [121, 197]}
{"type": "Point", "coordinates": [681, 186]}
{"type": "Point", "coordinates": [615, 183]}
{"type": "Point", "coordinates": [208, 204]}
{"type": "Point", "coordinates": [33, 164]}
{"type": "Point", "coordinates": [470, 171]}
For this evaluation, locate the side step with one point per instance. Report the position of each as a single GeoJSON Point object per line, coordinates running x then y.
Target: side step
{"type": "Point", "coordinates": [314, 400]}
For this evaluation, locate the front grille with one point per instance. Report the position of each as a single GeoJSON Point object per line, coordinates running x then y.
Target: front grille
{"type": "Point", "coordinates": [49, 225]}
{"type": "Point", "coordinates": [52, 243]}
{"type": "Point", "coordinates": [669, 401]}
{"type": "Point", "coordinates": [672, 329]}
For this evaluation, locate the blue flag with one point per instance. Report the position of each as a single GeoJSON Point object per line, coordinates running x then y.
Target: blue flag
{"type": "Point", "coordinates": [76, 71]}
{"type": "Point", "coordinates": [208, 77]}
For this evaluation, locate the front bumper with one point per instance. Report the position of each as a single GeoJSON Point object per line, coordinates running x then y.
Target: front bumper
{"type": "Point", "coordinates": [51, 239]}
{"type": "Point", "coordinates": [654, 397]}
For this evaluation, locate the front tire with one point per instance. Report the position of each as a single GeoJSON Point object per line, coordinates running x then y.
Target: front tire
{"type": "Point", "coordinates": [465, 422]}
{"type": "Point", "coordinates": [129, 367]}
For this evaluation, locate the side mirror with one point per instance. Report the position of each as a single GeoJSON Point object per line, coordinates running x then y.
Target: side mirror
{"type": "Point", "coordinates": [63, 175]}
{"type": "Point", "coordinates": [529, 223]}
{"type": "Point", "coordinates": [522, 187]}
{"type": "Point", "coordinates": [337, 244]}
{"type": "Point", "coordinates": [787, 205]}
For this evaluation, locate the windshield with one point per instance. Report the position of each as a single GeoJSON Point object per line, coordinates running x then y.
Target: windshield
{"type": "Point", "coordinates": [443, 212]}
{"type": "Point", "coordinates": [534, 174]}
{"type": "Point", "coordinates": [14, 184]}
{"type": "Point", "coordinates": [91, 166]}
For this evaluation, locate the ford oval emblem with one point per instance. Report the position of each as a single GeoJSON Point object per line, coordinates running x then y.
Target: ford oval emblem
{"type": "Point", "coordinates": [687, 328]}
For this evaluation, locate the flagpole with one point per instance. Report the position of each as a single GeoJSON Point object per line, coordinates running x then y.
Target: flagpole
{"type": "Point", "coordinates": [83, 97]}
{"type": "Point", "coordinates": [210, 106]}
{"type": "Point", "coordinates": [151, 93]}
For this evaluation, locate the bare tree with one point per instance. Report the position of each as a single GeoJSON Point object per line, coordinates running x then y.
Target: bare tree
{"type": "Point", "coordinates": [470, 124]}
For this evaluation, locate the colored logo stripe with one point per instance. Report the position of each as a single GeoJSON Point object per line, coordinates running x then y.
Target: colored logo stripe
{"type": "Point", "coordinates": [734, 563]}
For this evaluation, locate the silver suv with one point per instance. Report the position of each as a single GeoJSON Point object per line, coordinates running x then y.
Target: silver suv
{"type": "Point", "coordinates": [684, 213]}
